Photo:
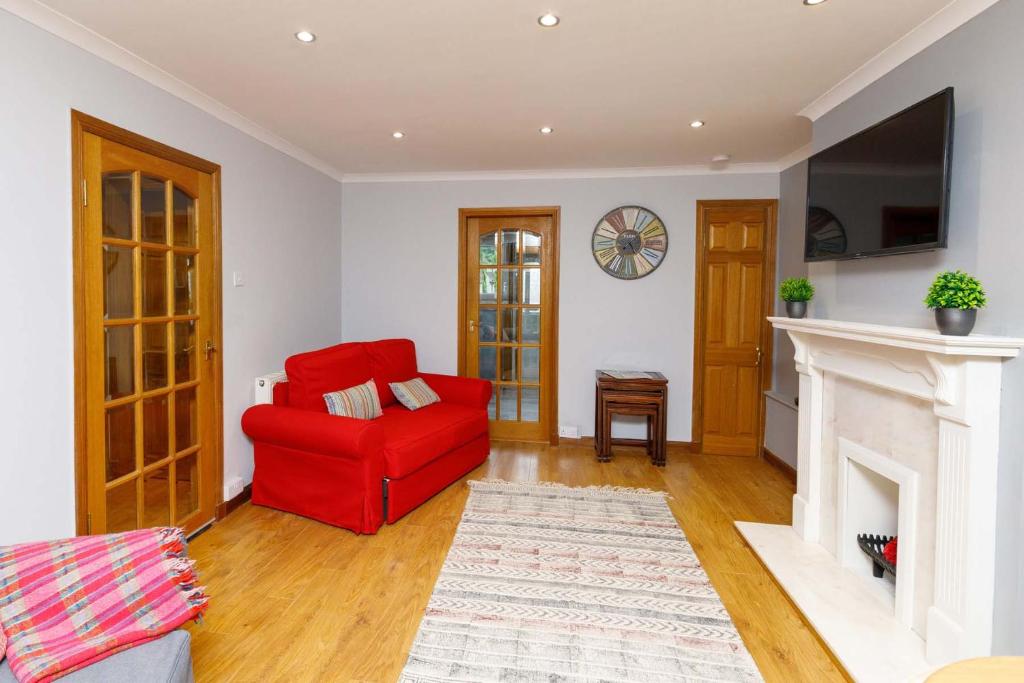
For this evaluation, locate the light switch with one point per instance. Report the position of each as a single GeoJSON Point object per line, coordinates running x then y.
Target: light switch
{"type": "Point", "coordinates": [237, 278]}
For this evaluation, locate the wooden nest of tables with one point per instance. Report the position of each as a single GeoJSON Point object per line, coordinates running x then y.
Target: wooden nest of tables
{"type": "Point", "coordinates": [642, 394]}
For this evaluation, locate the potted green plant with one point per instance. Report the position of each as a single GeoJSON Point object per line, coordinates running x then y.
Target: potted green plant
{"type": "Point", "coordinates": [796, 292]}
{"type": "Point", "coordinates": [956, 298]}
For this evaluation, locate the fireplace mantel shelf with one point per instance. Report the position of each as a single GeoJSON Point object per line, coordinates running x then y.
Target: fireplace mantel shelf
{"type": "Point", "coordinates": [919, 339]}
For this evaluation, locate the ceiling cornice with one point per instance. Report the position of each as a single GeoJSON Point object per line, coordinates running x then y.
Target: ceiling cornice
{"type": "Point", "coordinates": [71, 31]}
{"type": "Point", "coordinates": [561, 174]}
{"type": "Point", "coordinates": [942, 23]}
{"type": "Point", "coordinates": [795, 157]}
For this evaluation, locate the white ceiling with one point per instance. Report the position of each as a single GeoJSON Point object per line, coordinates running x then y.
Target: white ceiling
{"type": "Point", "coordinates": [471, 81]}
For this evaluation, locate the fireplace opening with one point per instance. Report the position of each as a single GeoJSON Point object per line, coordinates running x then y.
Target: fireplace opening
{"type": "Point", "coordinates": [872, 507]}
{"type": "Point", "coordinates": [878, 495]}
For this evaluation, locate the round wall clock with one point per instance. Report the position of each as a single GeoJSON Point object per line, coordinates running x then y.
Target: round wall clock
{"type": "Point", "coordinates": [629, 242]}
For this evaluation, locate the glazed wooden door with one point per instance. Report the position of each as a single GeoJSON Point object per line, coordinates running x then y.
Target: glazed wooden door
{"type": "Point", "coordinates": [735, 279]}
{"type": "Point", "coordinates": [509, 318]}
{"type": "Point", "coordinates": [149, 319]}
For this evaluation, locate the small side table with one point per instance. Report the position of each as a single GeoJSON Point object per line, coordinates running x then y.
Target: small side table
{"type": "Point", "coordinates": [646, 397]}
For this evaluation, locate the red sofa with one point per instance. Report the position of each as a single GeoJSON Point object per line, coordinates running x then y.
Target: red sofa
{"type": "Point", "coordinates": [353, 473]}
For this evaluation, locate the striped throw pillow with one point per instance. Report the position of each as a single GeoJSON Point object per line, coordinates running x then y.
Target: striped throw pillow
{"type": "Point", "coordinates": [414, 394]}
{"type": "Point", "coordinates": [360, 402]}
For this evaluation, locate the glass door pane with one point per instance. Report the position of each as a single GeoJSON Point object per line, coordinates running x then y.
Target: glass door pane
{"type": "Point", "coordinates": [122, 507]}
{"type": "Point", "coordinates": [119, 445]}
{"type": "Point", "coordinates": [186, 491]}
{"type": "Point", "coordinates": [118, 281]}
{"type": "Point", "coordinates": [156, 509]}
{"type": "Point", "coordinates": [117, 205]}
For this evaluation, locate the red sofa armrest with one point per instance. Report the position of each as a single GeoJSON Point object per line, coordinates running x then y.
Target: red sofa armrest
{"type": "Point", "coordinates": [466, 391]}
{"type": "Point", "coordinates": [306, 430]}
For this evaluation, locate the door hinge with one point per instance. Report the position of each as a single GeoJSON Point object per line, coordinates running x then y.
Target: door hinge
{"type": "Point", "coordinates": [85, 192]}
{"type": "Point", "coordinates": [88, 523]}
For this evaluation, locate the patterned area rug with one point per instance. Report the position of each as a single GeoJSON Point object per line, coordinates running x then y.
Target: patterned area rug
{"type": "Point", "coordinates": [549, 583]}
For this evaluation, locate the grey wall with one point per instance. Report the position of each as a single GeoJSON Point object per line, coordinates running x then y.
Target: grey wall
{"type": "Point", "coordinates": [790, 262]}
{"type": "Point", "coordinates": [983, 61]}
{"type": "Point", "coordinates": [400, 265]}
{"type": "Point", "coordinates": [781, 410]}
{"type": "Point", "coordinates": [281, 229]}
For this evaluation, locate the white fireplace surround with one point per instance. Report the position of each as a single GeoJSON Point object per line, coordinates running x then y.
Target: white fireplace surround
{"type": "Point", "coordinates": [958, 380]}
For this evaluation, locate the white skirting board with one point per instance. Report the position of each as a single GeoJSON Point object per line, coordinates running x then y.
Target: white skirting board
{"type": "Point", "coordinates": [859, 629]}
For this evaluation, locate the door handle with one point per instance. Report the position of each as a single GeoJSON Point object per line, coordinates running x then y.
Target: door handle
{"type": "Point", "coordinates": [210, 348]}
{"type": "Point", "coordinates": [472, 325]}
{"type": "Point", "coordinates": [758, 356]}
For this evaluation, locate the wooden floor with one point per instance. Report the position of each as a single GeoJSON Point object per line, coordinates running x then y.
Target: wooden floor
{"type": "Point", "coordinates": [296, 600]}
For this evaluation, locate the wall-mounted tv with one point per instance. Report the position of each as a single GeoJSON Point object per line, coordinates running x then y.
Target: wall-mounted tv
{"type": "Point", "coordinates": [886, 189]}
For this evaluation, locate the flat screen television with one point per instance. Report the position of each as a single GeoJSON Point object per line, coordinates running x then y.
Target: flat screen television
{"type": "Point", "coordinates": [884, 190]}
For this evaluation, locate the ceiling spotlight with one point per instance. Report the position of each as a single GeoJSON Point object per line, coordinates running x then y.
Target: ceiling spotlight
{"type": "Point", "coordinates": [720, 158]}
{"type": "Point", "coordinates": [547, 130]}
{"type": "Point", "coordinates": [549, 20]}
{"type": "Point", "coordinates": [696, 124]}
{"type": "Point", "coordinates": [398, 135]}
{"type": "Point", "coordinates": [305, 37]}
{"type": "Point", "coordinates": [813, 2]}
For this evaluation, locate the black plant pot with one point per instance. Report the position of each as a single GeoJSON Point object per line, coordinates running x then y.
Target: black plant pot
{"type": "Point", "coordinates": [955, 322]}
{"type": "Point", "coordinates": [796, 309]}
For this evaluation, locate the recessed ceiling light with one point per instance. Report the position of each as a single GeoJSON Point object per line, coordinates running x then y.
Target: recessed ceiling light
{"type": "Point", "coordinates": [547, 130]}
{"type": "Point", "coordinates": [305, 37]}
{"type": "Point", "coordinates": [813, 2]}
{"type": "Point", "coordinates": [720, 158]}
{"type": "Point", "coordinates": [696, 124]}
{"type": "Point", "coordinates": [549, 20]}
{"type": "Point", "coordinates": [398, 135]}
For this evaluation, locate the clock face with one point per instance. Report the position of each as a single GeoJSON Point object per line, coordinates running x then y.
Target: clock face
{"type": "Point", "coordinates": [630, 242]}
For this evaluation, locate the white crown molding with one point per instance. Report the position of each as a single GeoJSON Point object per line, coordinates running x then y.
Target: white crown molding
{"type": "Point", "coordinates": [945, 21]}
{"type": "Point", "coordinates": [931, 30]}
{"type": "Point", "coordinates": [560, 174]}
{"type": "Point", "coordinates": [71, 31]}
{"type": "Point", "coordinates": [795, 157]}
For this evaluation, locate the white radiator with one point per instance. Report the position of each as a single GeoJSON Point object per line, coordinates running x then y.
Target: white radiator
{"type": "Point", "coordinates": [265, 386]}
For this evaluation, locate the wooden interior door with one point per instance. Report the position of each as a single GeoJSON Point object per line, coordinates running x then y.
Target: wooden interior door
{"type": "Point", "coordinates": [148, 330]}
{"type": "Point", "coordinates": [732, 345]}
{"type": "Point", "coordinates": [508, 320]}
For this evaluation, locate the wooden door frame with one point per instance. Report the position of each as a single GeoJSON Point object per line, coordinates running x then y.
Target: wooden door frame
{"type": "Point", "coordinates": [700, 317]}
{"type": "Point", "coordinates": [80, 125]}
{"type": "Point", "coordinates": [555, 214]}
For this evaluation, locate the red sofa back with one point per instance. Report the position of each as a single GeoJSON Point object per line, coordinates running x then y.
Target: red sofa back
{"type": "Point", "coordinates": [315, 373]}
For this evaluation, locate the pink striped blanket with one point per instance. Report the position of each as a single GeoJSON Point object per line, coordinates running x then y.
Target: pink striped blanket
{"type": "Point", "coordinates": [66, 604]}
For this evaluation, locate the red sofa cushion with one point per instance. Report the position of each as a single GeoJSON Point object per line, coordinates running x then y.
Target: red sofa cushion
{"type": "Point", "coordinates": [313, 374]}
{"type": "Point", "coordinates": [414, 438]}
{"type": "Point", "coordinates": [391, 360]}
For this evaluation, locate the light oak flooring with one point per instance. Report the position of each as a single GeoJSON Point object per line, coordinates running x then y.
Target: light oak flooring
{"type": "Point", "coordinates": [296, 600]}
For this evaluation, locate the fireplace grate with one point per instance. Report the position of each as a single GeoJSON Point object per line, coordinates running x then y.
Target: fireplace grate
{"type": "Point", "coordinates": [873, 545]}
